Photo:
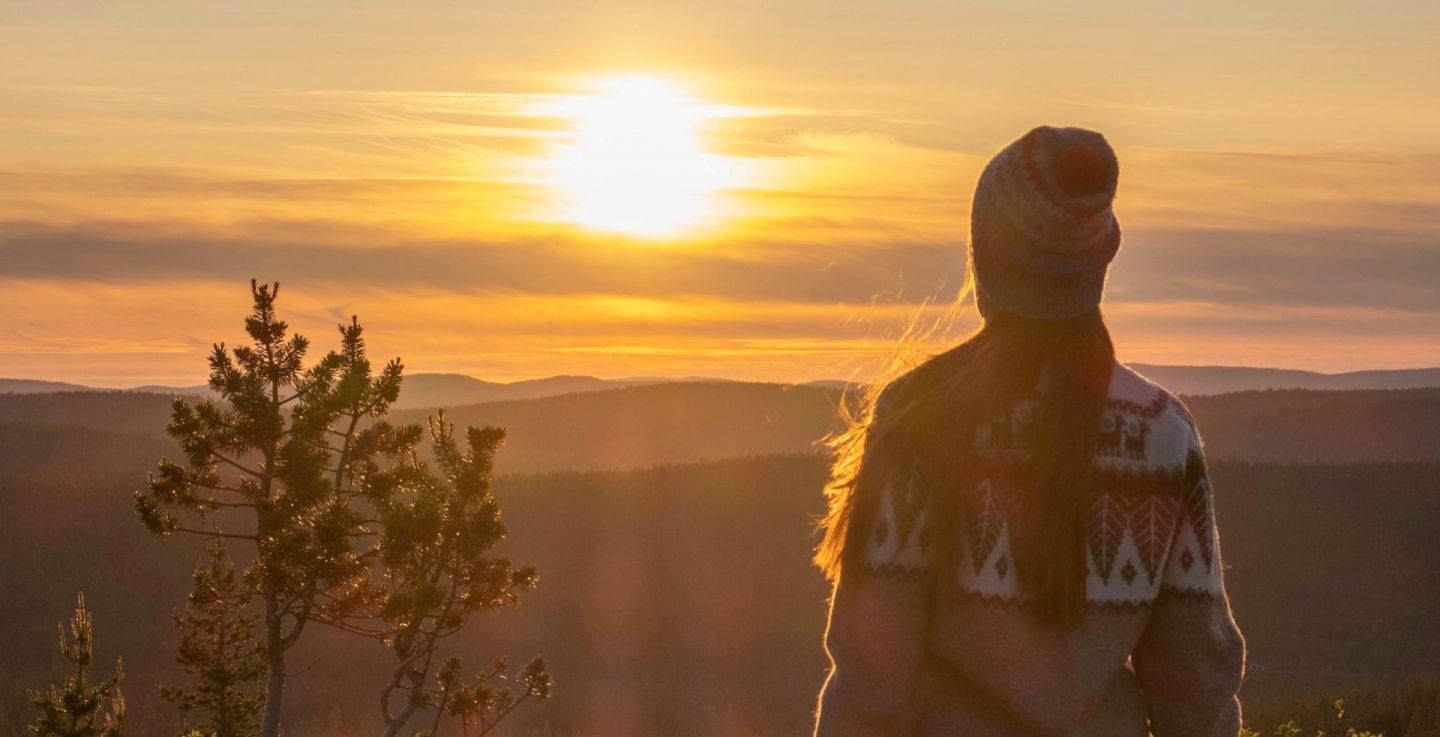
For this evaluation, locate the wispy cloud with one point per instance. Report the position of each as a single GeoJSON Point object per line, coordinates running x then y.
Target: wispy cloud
{"type": "Point", "coordinates": [785, 272]}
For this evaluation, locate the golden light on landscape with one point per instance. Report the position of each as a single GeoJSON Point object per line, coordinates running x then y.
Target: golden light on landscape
{"type": "Point", "coordinates": [636, 162]}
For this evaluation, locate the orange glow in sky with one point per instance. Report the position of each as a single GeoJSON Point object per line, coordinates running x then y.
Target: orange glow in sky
{"type": "Point", "coordinates": [752, 190]}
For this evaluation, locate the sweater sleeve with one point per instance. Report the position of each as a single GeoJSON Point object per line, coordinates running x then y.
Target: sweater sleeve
{"type": "Point", "coordinates": [1191, 657]}
{"type": "Point", "coordinates": [879, 615]}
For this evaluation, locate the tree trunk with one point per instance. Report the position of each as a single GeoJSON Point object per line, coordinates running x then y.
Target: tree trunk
{"type": "Point", "coordinates": [275, 677]}
{"type": "Point", "coordinates": [393, 727]}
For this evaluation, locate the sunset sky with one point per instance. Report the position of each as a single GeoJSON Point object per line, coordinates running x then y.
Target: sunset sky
{"type": "Point", "coordinates": [753, 190]}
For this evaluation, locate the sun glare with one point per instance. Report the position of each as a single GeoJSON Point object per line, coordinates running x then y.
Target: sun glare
{"type": "Point", "coordinates": [636, 162]}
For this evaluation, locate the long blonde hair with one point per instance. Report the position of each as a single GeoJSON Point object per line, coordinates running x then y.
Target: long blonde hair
{"type": "Point", "coordinates": [932, 406]}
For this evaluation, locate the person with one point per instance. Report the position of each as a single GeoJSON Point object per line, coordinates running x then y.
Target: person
{"type": "Point", "coordinates": [1020, 533]}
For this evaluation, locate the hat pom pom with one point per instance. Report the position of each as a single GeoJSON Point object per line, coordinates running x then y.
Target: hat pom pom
{"type": "Point", "coordinates": [1081, 171]}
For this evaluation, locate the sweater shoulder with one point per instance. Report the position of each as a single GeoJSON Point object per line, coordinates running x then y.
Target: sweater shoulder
{"type": "Point", "coordinates": [1152, 419]}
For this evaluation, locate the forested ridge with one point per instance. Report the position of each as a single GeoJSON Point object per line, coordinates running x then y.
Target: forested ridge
{"type": "Point", "coordinates": [692, 421]}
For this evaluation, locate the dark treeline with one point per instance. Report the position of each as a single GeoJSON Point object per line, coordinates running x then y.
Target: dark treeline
{"type": "Point", "coordinates": [1321, 426]}
{"type": "Point", "coordinates": [131, 413]}
{"type": "Point", "coordinates": [1327, 566]}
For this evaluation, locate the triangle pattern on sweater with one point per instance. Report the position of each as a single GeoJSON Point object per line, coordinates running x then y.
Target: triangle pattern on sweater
{"type": "Point", "coordinates": [1151, 524]}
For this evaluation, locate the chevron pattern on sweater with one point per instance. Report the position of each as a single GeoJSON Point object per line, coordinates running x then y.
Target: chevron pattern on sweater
{"type": "Point", "coordinates": [1151, 523]}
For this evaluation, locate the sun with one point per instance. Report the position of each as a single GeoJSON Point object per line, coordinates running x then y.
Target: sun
{"type": "Point", "coordinates": [635, 162]}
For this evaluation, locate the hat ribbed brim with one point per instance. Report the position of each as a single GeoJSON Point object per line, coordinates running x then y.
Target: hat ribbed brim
{"type": "Point", "coordinates": [1038, 297]}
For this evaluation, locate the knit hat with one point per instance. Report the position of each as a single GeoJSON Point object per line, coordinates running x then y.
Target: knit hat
{"type": "Point", "coordinates": [1042, 233]}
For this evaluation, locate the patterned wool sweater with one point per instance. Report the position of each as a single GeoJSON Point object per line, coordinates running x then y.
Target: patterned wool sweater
{"type": "Point", "coordinates": [920, 651]}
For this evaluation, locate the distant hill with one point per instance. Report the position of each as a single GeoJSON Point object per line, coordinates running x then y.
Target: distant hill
{"type": "Point", "coordinates": [129, 413]}
{"type": "Point", "coordinates": [1205, 380]}
{"type": "Point", "coordinates": [36, 386]}
{"type": "Point", "coordinates": [1320, 426]}
{"type": "Point", "coordinates": [673, 423]}
{"type": "Point", "coordinates": [680, 423]}
{"type": "Point", "coordinates": [453, 390]}
{"type": "Point", "coordinates": [420, 390]}
{"type": "Point", "coordinates": [836, 384]}
{"type": "Point", "coordinates": [1225, 379]}
{"type": "Point", "coordinates": [619, 428]}
{"type": "Point", "coordinates": [650, 424]}
{"type": "Point", "coordinates": [201, 390]}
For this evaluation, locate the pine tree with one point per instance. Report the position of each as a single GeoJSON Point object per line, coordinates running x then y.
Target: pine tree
{"type": "Point", "coordinates": [347, 524]}
{"type": "Point", "coordinates": [79, 708]}
{"type": "Point", "coordinates": [480, 704]}
{"type": "Point", "coordinates": [434, 572]}
{"type": "Point", "coordinates": [264, 468]}
{"type": "Point", "coordinates": [219, 652]}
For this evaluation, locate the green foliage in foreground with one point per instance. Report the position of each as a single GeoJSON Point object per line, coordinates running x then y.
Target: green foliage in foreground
{"type": "Point", "coordinates": [1391, 710]}
{"type": "Point", "coordinates": [434, 572]}
{"type": "Point", "coordinates": [265, 469]}
{"type": "Point", "coordinates": [345, 524]}
{"type": "Point", "coordinates": [79, 708]}
{"type": "Point", "coordinates": [1291, 729]}
{"type": "Point", "coordinates": [219, 652]}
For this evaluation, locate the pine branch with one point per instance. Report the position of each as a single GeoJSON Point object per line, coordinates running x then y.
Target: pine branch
{"type": "Point", "coordinates": [228, 505]}
{"type": "Point", "coordinates": [216, 533]}
{"type": "Point", "coordinates": [221, 457]}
